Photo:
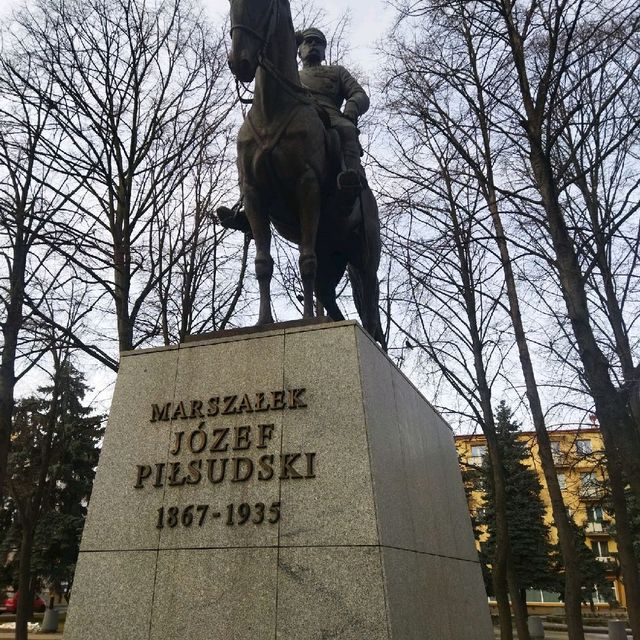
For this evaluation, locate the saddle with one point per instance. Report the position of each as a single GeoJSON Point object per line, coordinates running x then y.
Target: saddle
{"type": "Point", "coordinates": [235, 218]}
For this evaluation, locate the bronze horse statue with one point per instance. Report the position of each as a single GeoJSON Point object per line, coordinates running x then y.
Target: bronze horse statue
{"type": "Point", "coordinates": [287, 166]}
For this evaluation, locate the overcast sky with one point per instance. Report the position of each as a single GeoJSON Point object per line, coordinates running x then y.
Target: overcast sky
{"type": "Point", "coordinates": [370, 19]}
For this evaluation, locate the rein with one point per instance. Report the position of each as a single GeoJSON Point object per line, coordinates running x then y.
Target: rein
{"type": "Point", "coordinates": [272, 18]}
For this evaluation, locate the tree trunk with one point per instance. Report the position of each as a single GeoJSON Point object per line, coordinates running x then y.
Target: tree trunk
{"type": "Point", "coordinates": [624, 540]}
{"type": "Point", "coordinates": [613, 309]}
{"type": "Point", "coordinates": [25, 601]}
{"type": "Point", "coordinates": [613, 415]}
{"type": "Point", "coordinates": [518, 605]}
{"type": "Point", "coordinates": [501, 560]}
{"type": "Point", "coordinates": [609, 408]}
{"type": "Point", "coordinates": [523, 598]}
{"type": "Point", "coordinates": [10, 331]}
{"type": "Point", "coordinates": [499, 580]}
{"type": "Point", "coordinates": [121, 280]}
{"type": "Point", "coordinates": [7, 403]}
{"type": "Point", "coordinates": [566, 537]}
{"type": "Point", "coordinates": [31, 509]}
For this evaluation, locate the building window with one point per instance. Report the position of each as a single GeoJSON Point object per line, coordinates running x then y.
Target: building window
{"type": "Point", "coordinates": [562, 481]}
{"type": "Point", "coordinates": [477, 453]}
{"type": "Point", "coordinates": [595, 520]}
{"type": "Point", "coordinates": [555, 451]}
{"type": "Point", "coordinates": [589, 487]}
{"type": "Point", "coordinates": [600, 548]}
{"type": "Point", "coordinates": [595, 514]}
{"type": "Point", "coordinates": [583, 447]}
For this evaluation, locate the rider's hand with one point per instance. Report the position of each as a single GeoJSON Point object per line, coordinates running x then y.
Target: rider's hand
{"type": "Point", "coordinates": [351, 112]}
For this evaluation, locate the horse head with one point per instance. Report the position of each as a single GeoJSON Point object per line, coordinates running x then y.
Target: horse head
{"type": "Point", "coordinates": [252, 24]}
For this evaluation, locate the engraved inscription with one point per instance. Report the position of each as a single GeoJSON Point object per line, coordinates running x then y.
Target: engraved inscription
{"type": "Point", "coordinates": [217, 451]}
{"type": "Point", "coordinates": [199, 515]}
{"type": "Point", "coordinates": [225, 405]}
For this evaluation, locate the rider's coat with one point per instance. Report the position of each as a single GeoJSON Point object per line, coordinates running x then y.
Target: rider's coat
{"type": "Point", "coordinates": [331, 85]}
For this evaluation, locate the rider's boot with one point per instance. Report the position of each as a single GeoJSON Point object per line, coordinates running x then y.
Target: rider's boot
{"type": "Point", "coordinates": [233, 218]}
{"type": "Point", "coordinates": [349, 179]}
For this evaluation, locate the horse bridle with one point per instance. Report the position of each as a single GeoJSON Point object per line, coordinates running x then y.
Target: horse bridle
{"type": "Point", "coordinates": [271, 17]}
{"type": "Point", "coordinates": [271, 20]}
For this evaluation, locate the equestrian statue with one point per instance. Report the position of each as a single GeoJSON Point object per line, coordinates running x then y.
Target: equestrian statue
{"type": "Point", "coordinates": [299, 163]}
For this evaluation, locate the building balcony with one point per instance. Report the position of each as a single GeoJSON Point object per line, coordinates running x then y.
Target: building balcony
{"type": "Point", "coordinates": [597, 528]}
{"type": "Point", "coordinates": [609, 562]}
{"type": "Point", "coordinates": [591, 493]}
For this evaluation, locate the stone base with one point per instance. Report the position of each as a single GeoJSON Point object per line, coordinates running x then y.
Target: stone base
{"type": "Point", "coordinates": [356, 522]}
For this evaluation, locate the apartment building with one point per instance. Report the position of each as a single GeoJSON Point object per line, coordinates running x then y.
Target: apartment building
{"type": "Point", "coordinates": [578, 456]}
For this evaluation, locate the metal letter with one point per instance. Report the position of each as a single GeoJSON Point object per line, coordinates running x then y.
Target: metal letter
{"type": "Point", "coordinates": [294, 398]}
{"type": "Point", "coordinates": [196, 409]}
{"type": "Point", "coordinates": [277, 399]}
{"type": "Point", "coordinates": [176, 449]}
{"type": "Point", "coordinates": [287, 460]}
{"type": "Point", "coordinates": [265, 433]}
{"type": "Point", "coordinates": [211, 465]}
{"type": "Point", "coordinates": [144, 471]}
{"type": "Point", "coordinates": [242, 439]}
{"type": "Point", "coordinates": [203, 439]}
{"type": "Point", "coordinates": [237, 464]}
{"type": "Point", "coordinates": [158, 413]}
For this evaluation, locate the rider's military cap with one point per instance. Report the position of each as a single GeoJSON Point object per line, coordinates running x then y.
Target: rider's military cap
{"type": "Point", "coordinates": [312, 31]}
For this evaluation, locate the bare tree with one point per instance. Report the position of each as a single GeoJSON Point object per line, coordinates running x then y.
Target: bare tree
{"type": "Point", "coordinates": [138, 91]}
{"type": "Point", "coordinates": [558, 35]}
{"type": "Point", "coordinates": [450, 302]}
{"type": "Point", "coordinates": [446, 81]}
{"type": "Point", "coordinates": [27, 210]}
{"type": "Point", "coordinates": [204, 288]}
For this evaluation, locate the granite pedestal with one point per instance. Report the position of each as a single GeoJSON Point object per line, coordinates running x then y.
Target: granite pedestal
{"type": "Point", "coordinates": [288, 484]}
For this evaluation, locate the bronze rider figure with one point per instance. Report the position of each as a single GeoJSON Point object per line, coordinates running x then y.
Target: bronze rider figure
{"type": "Point", "coordinates": [331, 86]}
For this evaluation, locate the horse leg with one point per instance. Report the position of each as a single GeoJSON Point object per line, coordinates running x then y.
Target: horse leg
{"type": "Point", "coordinates": [327, 295]}
{"type": "Point", "coordinates": [330, 270]}
{"type": "Point", "coordinates": [263, 262]}
{"type": "Point", "coordinates": [308, 196]}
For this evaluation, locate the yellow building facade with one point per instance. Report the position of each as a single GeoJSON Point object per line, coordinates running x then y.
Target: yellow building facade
{"type": "Point", "coordinates": [579, 461]}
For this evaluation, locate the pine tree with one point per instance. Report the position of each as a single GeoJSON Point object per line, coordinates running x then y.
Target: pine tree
{"type": "Point", "coordinates": [531, 548]}
{"type": "Point", "coordinates": [55, 447]}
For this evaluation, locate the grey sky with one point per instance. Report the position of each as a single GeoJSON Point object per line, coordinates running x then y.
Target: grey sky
{"type": "Point", "coordinates": [370, 19]}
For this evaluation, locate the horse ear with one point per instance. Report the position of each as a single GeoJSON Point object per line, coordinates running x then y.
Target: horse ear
{"type": "Point", "coordinates": [299, 38]}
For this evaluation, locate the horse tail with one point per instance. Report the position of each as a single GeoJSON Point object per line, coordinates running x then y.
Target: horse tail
{"type": "Point", "coordinates": [363, 266]}
{"type": "Point", "coordinates": [366, 294]}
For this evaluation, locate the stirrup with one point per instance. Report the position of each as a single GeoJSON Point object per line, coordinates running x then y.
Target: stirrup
{"type": "Point", "coordinates": [349, 181]}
